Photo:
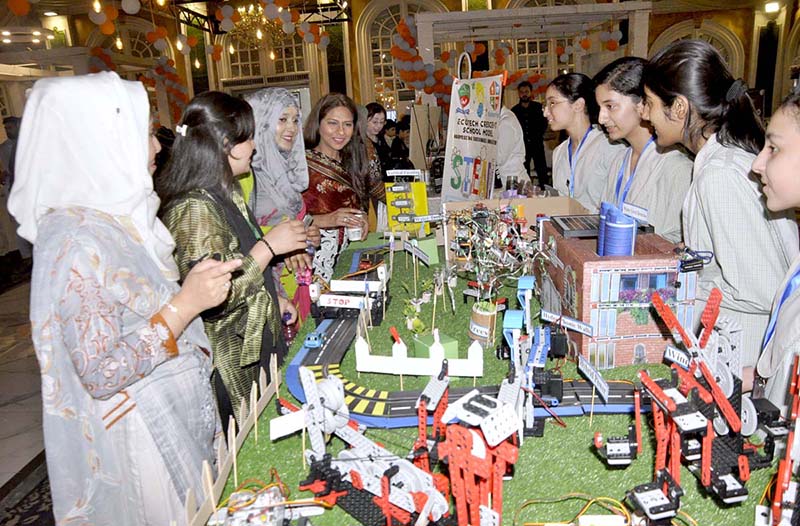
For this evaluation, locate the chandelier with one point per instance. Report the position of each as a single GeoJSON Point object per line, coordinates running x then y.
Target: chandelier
{"type": "Point", "coordinates": [255, 28]}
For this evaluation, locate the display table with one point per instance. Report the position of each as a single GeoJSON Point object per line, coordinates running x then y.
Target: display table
{"type": "Point", "coordinates": [561, 462]}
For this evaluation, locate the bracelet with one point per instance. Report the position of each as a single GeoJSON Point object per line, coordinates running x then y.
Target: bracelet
{"type": "Point", "coordinates": [266, 244]}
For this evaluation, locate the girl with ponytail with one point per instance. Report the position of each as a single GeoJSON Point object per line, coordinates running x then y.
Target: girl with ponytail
{"type": "Point", "coordinates": [582, 162]}
{"type": "Point", "coordinates": [692, 99]}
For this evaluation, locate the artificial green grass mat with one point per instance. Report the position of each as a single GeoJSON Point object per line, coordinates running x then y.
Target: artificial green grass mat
{"type": "Point", "coordinates": [561, 462]}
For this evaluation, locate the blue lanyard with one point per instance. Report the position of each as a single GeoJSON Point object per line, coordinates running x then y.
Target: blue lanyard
{"type": "Point", "coordinates": [571, 164]}
{"type": "Point", "coordinates": [791, 286]}
{"type": "Point", "coordinates": [621, 173]}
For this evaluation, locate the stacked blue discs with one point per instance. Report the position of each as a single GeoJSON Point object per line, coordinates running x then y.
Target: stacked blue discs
{"type": "Point", "coordinates": [617, 232]}
{"type": "Point", "coordinates": [601, 229]}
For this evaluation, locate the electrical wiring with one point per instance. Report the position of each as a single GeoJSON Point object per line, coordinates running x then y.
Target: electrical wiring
{"type": "Point", "coordinates": [687, 519]}
{"type": "Point", "coordinates": [609, 504]}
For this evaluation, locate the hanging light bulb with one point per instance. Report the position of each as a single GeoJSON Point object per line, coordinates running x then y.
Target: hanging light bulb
{"type": "Point", "coordinates": [118, 43]}
{"type": "Point", "coordinates": [179, 45]}
{"type": "Point", "coordinates": [96, 6]}
{"type": "Point", "coordinates": [197, 63]}
{"type": "Point", "coordinates": [162, 3]}
{"type": "Point", "coordinates": [272, 55]}
{"type": "Point", "coordinates": [259, 34]}
{"type": "Point", "coordinates": [231, 50]}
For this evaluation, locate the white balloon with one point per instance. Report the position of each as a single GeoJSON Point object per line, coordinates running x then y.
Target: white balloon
{"type": "Point", "coordinates": [430, 81]}
{"type": "Point", "coordinates": [160, 44]}
{"type": "Point", "coordinates": [470, 47]}
{"type": "Point", "coordinates": [308, 37]}
{"type": "Point", "coordinates": [227, 11]}
{"type": "Point", "coordinates": [448, 80]}
{"type": "Point", "coordinates": [569, 49]}
{"type": "Point", "coordinates": [209, 49]}
{"type": "Point", "coordinates": [182, 39]}
{"type": "Point", "coordinates": [271, 11]}
{"type": "Point", "coordinates": [564, 57]}
{"type": "Point", "coordinates": [304, 26]}
{"type": "Point", "coordinates": [131, 6]}
{"type": "Point", "coordinates": [227, 25]}
{"type": "Point", "coordinates": [285, 16]}
{"type": "Point", "coordinates": [322, 45]}
{"type": "Point", "coordinates": [605, 36]}
{"type": "Point", "coordinates": [324, 40]}
{"type": "Point", "coordinates": [97, 18]}
{"type": "Point", "coordinates": [411, 22]}
{"type": "Point", "coordinates": [185, 50]}
{"type": "Point", "coordinates": [428, 69]}
{"type": "Point", "coordinates": [616, 35]}
{"type": "Point", "coordinates": [418, 65]}
{"type": "Point", "coordinates": [288, 28]}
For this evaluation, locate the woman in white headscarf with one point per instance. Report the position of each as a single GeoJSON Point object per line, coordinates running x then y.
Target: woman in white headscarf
{"type": "Point", "coordinates": [129, 417]}
{"type": "Point", "coordinates": [280, 175]}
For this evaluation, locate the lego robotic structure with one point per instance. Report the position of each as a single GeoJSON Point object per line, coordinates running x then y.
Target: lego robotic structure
{"type": "Point", "coordinates": [700, 420]}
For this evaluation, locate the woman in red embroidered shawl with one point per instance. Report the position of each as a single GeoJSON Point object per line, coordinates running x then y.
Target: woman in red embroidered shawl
{"type": "Point", "coordinates": [338, 175]}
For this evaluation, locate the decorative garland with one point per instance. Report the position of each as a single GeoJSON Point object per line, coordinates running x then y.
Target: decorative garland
{"type": "Point", "coordinates": [177, 92]}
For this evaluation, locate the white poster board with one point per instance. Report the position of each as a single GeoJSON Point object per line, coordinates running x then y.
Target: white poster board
{"type": "Point", "coordinates": [471, 151]}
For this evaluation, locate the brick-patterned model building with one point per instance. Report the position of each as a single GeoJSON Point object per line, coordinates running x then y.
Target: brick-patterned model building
{"type": "Point", "coordinates": [612, 294]}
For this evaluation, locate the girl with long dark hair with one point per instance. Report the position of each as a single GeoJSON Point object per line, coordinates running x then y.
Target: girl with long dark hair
{"type": "Point", "coordinates": [652, 178]}
{"type": "Point", "coordinates": [204, 209]}
{"type": "Point", "coordinates": [581, 163]}
{"type": "Point", "coordinates": [692, 99]}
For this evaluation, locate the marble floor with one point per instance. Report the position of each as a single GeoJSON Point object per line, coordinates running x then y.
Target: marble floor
{"type": "Point", "coordinates": [20, 399]}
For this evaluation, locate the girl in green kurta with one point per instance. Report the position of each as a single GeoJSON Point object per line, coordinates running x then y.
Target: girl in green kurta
{"type": "Point", "coordinates": [203, 207]}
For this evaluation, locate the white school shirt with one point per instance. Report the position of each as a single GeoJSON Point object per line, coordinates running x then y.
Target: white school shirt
{"type": "Point", "coordinates": [775, 362]}
{"type": "Point", "coordinates": [659, 185]}
{"type": "Point", "coordinates": [510, 148]}
{"type": "Point", "coordinates": [725, 213]}
{"type": "Point", "coordinates": [591, 168]}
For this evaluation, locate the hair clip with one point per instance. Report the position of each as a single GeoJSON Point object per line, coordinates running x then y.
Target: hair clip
{"type": "Point", "coordinates": [181, 128]}
{"type": "Point", "coordinates": [737, 89]}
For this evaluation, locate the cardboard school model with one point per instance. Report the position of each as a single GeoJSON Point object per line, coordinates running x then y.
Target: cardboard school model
{"type": "Point", "coordinates": [612, 295]}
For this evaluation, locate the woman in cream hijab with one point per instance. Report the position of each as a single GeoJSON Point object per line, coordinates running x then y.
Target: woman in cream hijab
{"type": "Point", "coordinates": [129, 417]}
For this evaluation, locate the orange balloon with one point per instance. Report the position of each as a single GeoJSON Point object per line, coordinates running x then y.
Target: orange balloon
{"type": "Point", "coordinates": [314, 29]}
{"type": "Point", "coordinates": [428, 90]}
{"type": "Point", "coordinates": [586, 43]}
{"type": "Point", "coordinates": [218, 15]}
{"type": "Point", "coordinates": [151, 36]}
{"type": "Point", "coordinates": [500, 60]}
{"type": "Point", "coordinates": [217, 48]}
{"type": "Point", "coordinates": [236, 17]}
{"type": "Point", "coordinates": [111, 12]}
{"type": "Point", "coordinates": [19, 7]}
{"type": "Point", "coordinates": [171, 62]}
{"type": "Point", "coordinates": [560, 50]}
{"type": "Point", "coordinates": [161, 31]}
{"type": "Point", "coordinates": [107, 27]}
{"type": "Point", "coordinates": [445, 56]}
{"type": "Point", "coordinates": [480, 49]}
{"type": "Point", "coordinates": [612, 45]}
{"type": "Point", "coordinates": [191, 41]}
{"type": "Point", "coordinates": [295, 15]}
{"type": "Point", "coordinates": [217, 56]}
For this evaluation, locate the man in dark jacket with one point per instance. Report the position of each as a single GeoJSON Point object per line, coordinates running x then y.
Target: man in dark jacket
{"type": "Point", "coordinates": [531, 119]}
